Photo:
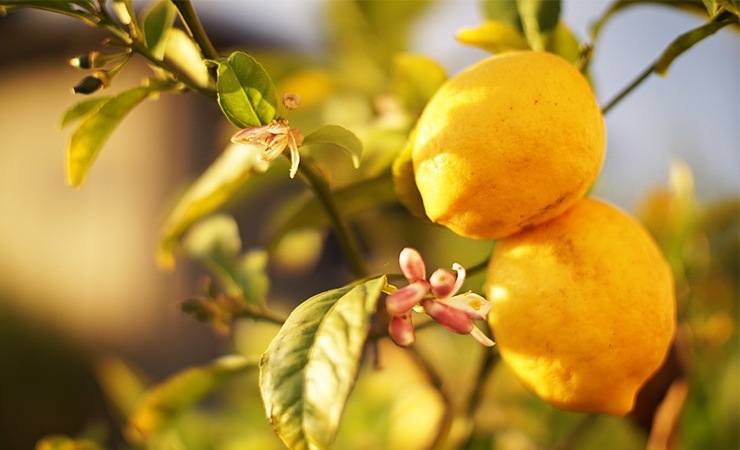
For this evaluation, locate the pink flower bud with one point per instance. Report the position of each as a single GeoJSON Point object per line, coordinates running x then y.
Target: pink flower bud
{"type": "Point", "coordinates": [401, 330]}
{"type": "Point", "coordinates": [448, 317]}
{"type": "Point", "coordinates": [401, 301]}
{"type": "Point", "coordinates": [442, 283]}
{"type": "Point", "coordinates": [412, 265]}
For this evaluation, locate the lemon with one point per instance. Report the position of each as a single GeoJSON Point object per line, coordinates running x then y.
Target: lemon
{"type": "Point", "coordinates": [583, 307]}
{"type": "Point", "coordinates": [507, 143]}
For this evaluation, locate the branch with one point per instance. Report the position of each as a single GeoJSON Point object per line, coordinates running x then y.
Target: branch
{"type": "Point", "coordinates": [195, 28]}
{"type": "Point", "coordinates": [313, 177]}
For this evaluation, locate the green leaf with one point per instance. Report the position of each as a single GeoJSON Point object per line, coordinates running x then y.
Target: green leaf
{"type": "Point", "coordinates": [351, 199]}
{"type": "Point", "coordinates": [246, 93]}
{"type": "Point", "coordinates": [693, 6]}
{"type": "Point", "coordinates": [563, 42]}
{"type": "Point", "coordinates": [339, 136]}
{"type": "Point", "coordinates": [81, 109]}
{"type": "Point", "coordinates": [503, 11]}
{"type": "Point", "coordinates": [415, 79]}
{"type": "Point", "coordinates": [180, 392]}
{"type": "Point", "coordinates": [182, 52]}
{"type": "Point", "coordinates": [157, 20]}
{"type": "Point", "coordinates": [539, 18]}
{"type": "Point", "coordinates": [215, 242]}
{"type": "Point", "coordinates": [97, 126]}
{"type": "Point", "coordinates": [57, 6]}
{"type": "Point", "coordinates": [309, 369]}
{"type": "Point", "coordinates": [493, 36]}
{"type": "Point", "coordinates": [686, 41]}
{"type": "Point", "coordinates": [220, 182]}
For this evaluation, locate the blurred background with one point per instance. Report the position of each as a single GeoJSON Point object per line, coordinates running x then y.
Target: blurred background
{"type": "Point", "coordinates": [78, 277]}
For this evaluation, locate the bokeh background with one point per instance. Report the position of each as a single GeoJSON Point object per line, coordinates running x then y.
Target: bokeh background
{"type": "Point", "coordinates": [78, 277]}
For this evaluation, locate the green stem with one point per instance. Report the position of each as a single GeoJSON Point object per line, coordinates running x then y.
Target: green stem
{"type": "Point", "coordinates": [310, 172]}
{"type": "Point", "coordinates": [137, 46]}
{"type": "Point", "coordinates": [490, 358]}
{"type": "Point", "coordinates": [719, 16]}
{"type": "Point", "coordinates": [630, 87]}
{"type": "Point", "coordinates": [263, 314]}
{"type": "Point", "coordinates": [438, 383]}
{"type": "Point", "coordinates": [195, 28]}
{"type": "Point", "coordinates": [176, 73]}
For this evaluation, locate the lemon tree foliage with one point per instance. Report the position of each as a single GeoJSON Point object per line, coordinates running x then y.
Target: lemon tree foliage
{"type": "Point", "coordinates": [98, 119]}
{"type": "Point", "coordinates": [310, 367]}
{"type": "Point", "coordinates": [157, 21]}
{"type": "Point", "coordinates": [582, 301]}
{"type": "Point", "coordinates": [162, 403]}
{"type": "Point", "coordinates": [246, 93]}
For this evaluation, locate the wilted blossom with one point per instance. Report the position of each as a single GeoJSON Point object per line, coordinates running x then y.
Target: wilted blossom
{"type": "Point", "coordinates": [276, 136]}
{"type": "Point", "coordinates": [436, 296]}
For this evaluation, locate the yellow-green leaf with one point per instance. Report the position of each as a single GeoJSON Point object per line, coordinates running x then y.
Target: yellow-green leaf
{"type": "Point", "coordinates": [309, 369]}
{"type": "Point", "coordinates": [686, 41]}
{"type": "Point", "coordinates": [97, 126]}
{"type": "Point", "coordinates": [216, 186]}
{"type": "Point", "coordinates": [339, 136]}
{"type": "Point", "coordinates": [182, 52]}
{"type": "Point", "coordinates": [493, 36]}
{"type": "Point", "coordinates": [563, 42]}
{"type": "Point", "coordinates": [157, 20]}
{"type": "Point", "coordinates": [415, 78]}
{"type": "Point", "coordinates": [81, 109]}
{"type": "Point", "coordinates": [180, 392]}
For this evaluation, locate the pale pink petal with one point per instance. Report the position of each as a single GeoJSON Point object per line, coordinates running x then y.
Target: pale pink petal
{"type": "Point", "coordinates": [401, 330]}
{"type": "Point", "coordinates": [475, 306]}
{"type": "Point", "coordinates": [412, 265]}
{"type": "Point", "coordinates": [479, 336]}
{"type": "Point", "coordinates": [460, 277]}
{"type": "Point", "coordinates": [401, 301]}
{"type": "Point", "coordinates": [252, 134]}
{"type": "Point", "coordinates": [295, 156]}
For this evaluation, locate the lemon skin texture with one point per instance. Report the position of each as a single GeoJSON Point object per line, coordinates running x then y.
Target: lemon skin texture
{"type": "Point", "coordinates": [507, 143]}
{"type": "Point", "coordinates": [583, 308]}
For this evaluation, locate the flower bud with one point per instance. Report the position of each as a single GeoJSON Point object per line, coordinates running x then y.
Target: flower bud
{"type": "Point", "coordinates": [412, 265]}
{"type": "Point", "coordinates": [401, 301]}
{"type": "Point", "coordinates": [442, 283]}
{"type": "Point", "coordinates": [401, 330]}
{"type": "Point", "coordinates": [448, 317]}
{"type": "Point", "coordinates": [92, 83]}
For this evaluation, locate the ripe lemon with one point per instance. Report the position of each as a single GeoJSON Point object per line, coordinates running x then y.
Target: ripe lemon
{"type": "Point", "coordinates": [583, 307]}
{"type": "Point", "coordinates": [509, 142]}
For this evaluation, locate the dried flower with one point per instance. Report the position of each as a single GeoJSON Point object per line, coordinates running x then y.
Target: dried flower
{"type": "Point", "coordinates": [276, 136]}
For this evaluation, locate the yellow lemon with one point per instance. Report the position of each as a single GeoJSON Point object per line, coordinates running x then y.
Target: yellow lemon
{"type": "Point", "coordinates": [508, 143]}
{"type": "Point", "coordinates": [583, 307]}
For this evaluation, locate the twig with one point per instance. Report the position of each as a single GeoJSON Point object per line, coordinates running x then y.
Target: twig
{"type": "Point", "coordinates": [195, 28]}
{"type": "Point", "coordinates": [313, 177]}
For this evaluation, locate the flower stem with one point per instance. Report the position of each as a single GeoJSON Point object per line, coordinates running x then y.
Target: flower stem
{"type": "Point", "coordinates": [311, 173]}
